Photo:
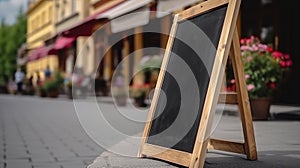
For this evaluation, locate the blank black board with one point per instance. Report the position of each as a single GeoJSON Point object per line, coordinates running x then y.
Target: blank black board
{"type": "Point", "coordinates": [180, 101]}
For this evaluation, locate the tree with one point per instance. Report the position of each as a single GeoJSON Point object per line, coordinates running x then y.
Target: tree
{"type": "Point", "coordinates": [12, 37]}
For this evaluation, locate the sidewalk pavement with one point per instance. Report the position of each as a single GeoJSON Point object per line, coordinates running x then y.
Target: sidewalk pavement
{"type": "Point", "coordinates": [277, 142]}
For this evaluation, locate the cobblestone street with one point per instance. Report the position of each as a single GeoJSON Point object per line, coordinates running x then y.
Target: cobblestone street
{"type": "Point", "coordinates": [37, 133]}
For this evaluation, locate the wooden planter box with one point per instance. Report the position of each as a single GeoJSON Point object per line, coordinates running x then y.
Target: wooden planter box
{"type": "Point", "coordinates": [52, 93]}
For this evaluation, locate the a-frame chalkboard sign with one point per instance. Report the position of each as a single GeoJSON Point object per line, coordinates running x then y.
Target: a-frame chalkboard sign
{"type": "Point", "coordinates": [189, 87]}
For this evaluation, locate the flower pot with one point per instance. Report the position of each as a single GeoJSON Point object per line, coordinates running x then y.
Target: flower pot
{"type": "Point", "coordinates": [260, 108]}
{"type": "Point", "coordinates": [121, 100]}
{"type": "Point", "coordinates": [53, 93]}
{"type": "Point", "coordinates": [41, 93]}
{"type": "Point", "coordinates": [3, 89]}
{"type": "Point", "coordinates": [140, 101]}
{"type": "Point", "coordinates": [69, 93]}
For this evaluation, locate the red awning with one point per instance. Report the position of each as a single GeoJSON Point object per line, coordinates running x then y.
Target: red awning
{"type": "Point", "coordinates": [63, 42]}
{"type": "Point", "coordinates": [37, 53]}
{"type": "Point", "coordinates": [86, 26]}
{"type": "Point", "coordinates": [41, 52]}
{"type": "Point", "coordinates": [51, 50]}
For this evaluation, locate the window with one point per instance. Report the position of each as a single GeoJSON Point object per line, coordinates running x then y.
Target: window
{"type": "Point", "coordinates": [32, 25]}
{"type": "Point", "coordinates": [38, 22]}
{"type": "Point", "coordinates": [43, 21]}
{"type": "Point", "coordinates": [50, 13]}
{"type": "Point", "coordinates": [74, 6]}
{"type": "Point", "coordinates": [57, 4]}
{"type": "Point", "coordinates": [29, 26]}
{"type": "Point", "coordinates": [62, 13]}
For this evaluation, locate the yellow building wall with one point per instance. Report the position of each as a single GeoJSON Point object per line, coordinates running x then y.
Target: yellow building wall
{"type": "Point", "coordinates": [67, 13]}
{"type": "Point", "coordinates": [40, 25]}
{"type": "Point", "coordinates": [96, 7]}
{"type": "Point", "coordinates": [38, 66]}
{"type": "Point", "coordinates": [106, 5]}
{"type": "Point", "coordinates": [64, 9]}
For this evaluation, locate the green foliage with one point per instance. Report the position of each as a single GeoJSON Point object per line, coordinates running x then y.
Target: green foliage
{"type": "Point", "coordinates": [12, 37]}
{"type": "Point", "coordinates": [263, 66]}
{"type": "Point", "coordinates": [50, 85]}
{"type": "Point", "coordinates": [150, 63]}
{"type": "Point", "coordinates": [136, 91]}
{"type": "Point", "coordinates": [58, 77]}
{"type": "Point", "coordinates": [54, 83]}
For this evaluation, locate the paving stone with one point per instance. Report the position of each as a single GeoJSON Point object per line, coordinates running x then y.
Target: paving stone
{"type": "Point", "coordinates": [18, 156]}
{"type": "Point", "coordinates": [16, 150]}
{"type": "Point", "coordinates": [43, 158]}
{"type": "Point", "coordinates": [39, 151]}
{"type": "Point", "coordinates": [18, 164]}
{"type": "Point", "coordinates": [61, 155]}
{"type": "Point", "coordinates": [47, 165]}
{"type": "Point", "coordinates": [72, 164]}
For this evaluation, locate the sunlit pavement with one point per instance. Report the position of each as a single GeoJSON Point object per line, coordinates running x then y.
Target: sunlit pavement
{"type": "Point", "coordinates": [277, 142]}
{"type": "Point", "coordinates": [43, 132]}
{"type": "Point", "coordinates": [277, 145]}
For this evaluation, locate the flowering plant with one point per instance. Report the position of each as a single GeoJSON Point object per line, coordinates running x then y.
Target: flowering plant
{"type": "Point", "coordinates": [264, 67]}
{"type": "Point", "coordinates": [138, 90]}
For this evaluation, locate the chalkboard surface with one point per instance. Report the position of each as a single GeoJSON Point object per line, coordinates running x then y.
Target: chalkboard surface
{"type": "Point", "coordinates": [180, 102]}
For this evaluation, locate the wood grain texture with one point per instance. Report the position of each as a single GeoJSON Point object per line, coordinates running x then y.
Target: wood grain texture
{"type": "Point", "coordinates": [227, 43]}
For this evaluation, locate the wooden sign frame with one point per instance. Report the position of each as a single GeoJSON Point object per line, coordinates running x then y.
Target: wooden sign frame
{"type": "Point", "coordinates": [228, 42]}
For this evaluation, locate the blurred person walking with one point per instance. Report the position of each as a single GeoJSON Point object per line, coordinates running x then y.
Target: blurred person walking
{"type": "Point", "coordinates": [47, 72]}
{"type": "Point", "coordinates": [19, 79]}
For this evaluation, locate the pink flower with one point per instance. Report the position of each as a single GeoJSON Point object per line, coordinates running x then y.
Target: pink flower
{"type": "Point", "coordinates": [252, 38]}
{"type": "Point", "coordinates": [262, 47]}
{"type": "Point", "coordinates": [232, 81]}
{"type": "Point", "coordinates": [289, 63]}
{"type": "Point", "coordinates": [273, 64]}
{"type": "Point", "coordinates": [250, 87]}
{"type": "Point", "coordinates": [248, 41]}
{"type": "Point", "coordinates": [272, 85]}
{"type": "Point", "coordinates": [287, 56]}
{"type": "Point", "coordinates": [247, 76]}
{"type": "Point", "coordinates": [277, 54]}
{"type": "Point", "coordinates": [243, 41]}
{"type": "Point", "coordinates": [282, 64]}
{"type": "Point", "coordinates": [249, 58]}
{"type": "Point", "coordinates": [254, 48]}
{"type": "Point", "coordinates": [270, 49]}
{"type": "Point", "coordinates": [245, 48]}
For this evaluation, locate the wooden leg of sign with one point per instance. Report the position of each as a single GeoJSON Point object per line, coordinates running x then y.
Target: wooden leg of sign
{"type": "Point", "coordinates": [243, 99]}
{"type": "Point", "coordinates": [240, 97]}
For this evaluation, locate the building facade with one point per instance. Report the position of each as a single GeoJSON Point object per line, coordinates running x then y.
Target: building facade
{"type": "Point", "coordinates": [97, 35]}
{"type": "Point", "coordinates": [40, 27]}
{"type": "Point", "coordinates": [110, 35]}
{"type": "Point", "coordinates": [127, 31]}
{"type": "Point", "coordinates": [67, 14]}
